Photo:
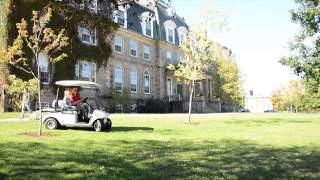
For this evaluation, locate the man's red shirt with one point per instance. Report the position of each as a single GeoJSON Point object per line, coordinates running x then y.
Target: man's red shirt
{"type": "Point", "coordinates": [74, 99]}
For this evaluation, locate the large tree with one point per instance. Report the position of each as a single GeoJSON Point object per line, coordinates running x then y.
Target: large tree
{"type": "Point", "coordinates": [305, 48]}
{"type": "Point", "coordinates": [40, 39]}
{"type": "Point", "coordinates": [226, 82]}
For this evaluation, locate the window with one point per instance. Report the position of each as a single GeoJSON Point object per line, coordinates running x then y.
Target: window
{"type": "Point", "coordinates": [169, 86]}
{"type": "Point", "coordinates": [87, 36]}
{"type": "Point", "coordinates": [182, 37]}
{"type": "Point", "coordinates": [133, 81]}
{"type": "Point", "coordinates": [170, 35]}
{"type": "Point", "coordinates": [133, 49]}
{"type": "Point", "coordinates": [118, 77]}
{"type": "Point", "coordinates": [86, 71]}
{"type": "Point", "coordinates": [146, 82]}
{"type": "Point", "coordinates": [93, 5]}
{"type": "Point", "coordinates": [118, 44]}
{"type": "Point", "coordinates": [169, 57]}
{"type": "Point", "coordinates": [120, 17]}
{"type": "Point", "coordinates": [44, 68]}
{"type": "Point", "coordinates": [146, 53]}
{"type": "Point", "coordinates": [148, 28]}
{"type": "Point", "coordinates": [179, 58]}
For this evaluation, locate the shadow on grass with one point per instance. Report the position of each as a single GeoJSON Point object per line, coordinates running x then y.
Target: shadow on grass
{"type": "Point", "coordinates": [148, 159]}
{"type": "Point", "coordinates": [274, 121]}
{"type": "Point", "coordinates": [116, 129]}
{"type": "Point", "coordinates": [113, 129]}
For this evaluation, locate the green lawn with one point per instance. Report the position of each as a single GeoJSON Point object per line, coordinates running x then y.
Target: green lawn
{"type": "Point", "coordinates": [11, 115]}
{"type": "Point", "coordinates": [225, 146]}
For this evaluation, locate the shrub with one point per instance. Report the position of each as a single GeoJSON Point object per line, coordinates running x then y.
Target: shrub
{"type": "Point", "coordinates": [154, 106]}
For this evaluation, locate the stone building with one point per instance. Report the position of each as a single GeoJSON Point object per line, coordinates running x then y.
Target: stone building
{"type": "Point", "coordinates": [147, 41]}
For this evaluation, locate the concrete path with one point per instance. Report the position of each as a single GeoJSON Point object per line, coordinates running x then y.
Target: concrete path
{"type": "Point", "coordinates": [14, 119]}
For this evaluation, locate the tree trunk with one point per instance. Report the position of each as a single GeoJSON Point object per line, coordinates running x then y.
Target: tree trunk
{"type": "Point", "coordinates": [39, 98]}
{"type": "Point", "coordinates": [190, 101]}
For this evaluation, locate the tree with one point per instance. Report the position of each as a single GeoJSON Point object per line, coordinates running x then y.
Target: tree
{"type": "Point", "coordinates": [289, 97]}
{"type": "Point", "coordinates": [305, 48]}
{"type": "Point", "coordinates": [16, 88]}
{"type": "Point", "coordinates": [199, 53]}
{"type": "Point", "coordinates": [226, 78]}
{"type": "Point", "coordinates": [41, 40]}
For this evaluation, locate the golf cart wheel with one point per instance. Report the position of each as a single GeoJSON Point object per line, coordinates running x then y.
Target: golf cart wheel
{"type": "Point", "coordinates": [51, 124]}
{"type": "Point", "coordinates": [108, 124]}
{"type": "Point", "coordinates": [98, 126]}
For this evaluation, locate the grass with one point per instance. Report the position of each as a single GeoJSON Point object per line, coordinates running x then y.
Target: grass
{"type": "Point", "coordinates": [11, 115]}
{"type": "Point", "coordinates": [225, 146]}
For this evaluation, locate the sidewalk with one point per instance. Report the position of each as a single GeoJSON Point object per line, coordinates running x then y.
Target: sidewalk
{"type": "Point", "coordinates": [14, 119]}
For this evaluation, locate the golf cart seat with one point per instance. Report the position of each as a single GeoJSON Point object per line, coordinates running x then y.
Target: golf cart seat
{"type": "Point", "coordinates": [57, 104]}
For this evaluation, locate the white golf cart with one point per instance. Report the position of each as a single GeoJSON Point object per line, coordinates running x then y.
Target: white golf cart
{"type": "Point", "coordinates": [59, 115]}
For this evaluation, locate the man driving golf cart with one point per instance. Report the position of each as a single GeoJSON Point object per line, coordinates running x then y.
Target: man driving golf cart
{"type": "Point", "coordinates": [73, 100]}
{"type": "Point", "coordinates": [84, 114]}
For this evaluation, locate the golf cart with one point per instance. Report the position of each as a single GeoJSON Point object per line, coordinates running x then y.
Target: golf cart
{"type": "Point", "coordinates": [59, 115]}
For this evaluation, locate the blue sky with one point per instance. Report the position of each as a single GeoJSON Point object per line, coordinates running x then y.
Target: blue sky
{"type": "Point", "coordinates": [258, 33]}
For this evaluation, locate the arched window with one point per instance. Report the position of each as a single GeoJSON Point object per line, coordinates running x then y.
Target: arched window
{"type": "Point", "coordinates": [118, 77]}
{"type": "Point", "coordinates": [44, 68]}
{"type": "Point", "coordinates": [133, 80]}
{"type": "Point", "coordinates": [146, 82]}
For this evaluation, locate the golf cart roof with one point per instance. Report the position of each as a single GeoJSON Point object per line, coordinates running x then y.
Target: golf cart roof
{"type": "Point", "coordinates": [71, 83]}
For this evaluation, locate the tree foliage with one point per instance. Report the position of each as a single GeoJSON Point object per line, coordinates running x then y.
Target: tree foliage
{"type": "Point", "coordinates": [199, 54]}
{"type": "Point", "coordinates": [16, 88]}
{"type": "Point", "coordinates": [39, 40]}
{"type": "Point", "coordinates": [227, 84]}
{"type": "Point", "coordinates": [289, 97]}
{"type": "Point", "coordinates": [305, 48]}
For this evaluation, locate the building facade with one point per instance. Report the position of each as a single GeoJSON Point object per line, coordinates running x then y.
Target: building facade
{"type": "Point", "coordinates": [147, 40]}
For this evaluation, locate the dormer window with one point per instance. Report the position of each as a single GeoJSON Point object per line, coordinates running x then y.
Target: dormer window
{"type": "Point", "coordinates": [87, 36]}
{"type": "Point", "coordinates": [147, 21]}
{"type": "Point", "coordinates": [148, 28]}
{"type": "Point", "coordinates": [170, 35]}
{"type": "Point", "coordinates": [120, 17]}
{"type": "Point", "coordinates": [182, 37]}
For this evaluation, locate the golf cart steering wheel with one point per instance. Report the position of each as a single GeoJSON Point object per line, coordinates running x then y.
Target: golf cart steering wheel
{"type": "Point", "coordinates": [84, 100]}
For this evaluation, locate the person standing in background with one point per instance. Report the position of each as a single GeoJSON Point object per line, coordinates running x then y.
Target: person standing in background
{"type": "Point", "coordinates": [26, 101]}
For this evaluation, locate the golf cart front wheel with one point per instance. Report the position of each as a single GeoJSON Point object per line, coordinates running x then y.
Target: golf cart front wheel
{"type": "Point", "coordinates": [51, 124]}
{"type": "Point", "coordinates": [98, 126]}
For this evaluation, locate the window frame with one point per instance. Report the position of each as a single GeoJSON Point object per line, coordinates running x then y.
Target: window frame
{"type": "Point", "coordinates": [146, 74]}
{"type": "Point", "coordinates": [115, 44]}
{"type": "Point", "coordinates": [91, 33]}
{"type": "Point", "coordinates": [44, 68]}
{"type": "Point", "coordinates": [92, 71]}
{"type": "Point", "coordinates": [180, 39]}
{"type": "Point", "coordinates": [135, 73]}
{"type": "Point", "coordinates": [169, 91]}
{"type": "Point", "coordinates": [136, 48]}
{"type": "Point", "coordinates": [144, 52]}
{"type": "Point", "coordinates": [115, 77]}
{"type": "Point", "coordinates": [145, 23]}
{"type": "Point", "coordinates": [169, 52]}
{"type": "Point", "coordinates": [125, 17]}
{"type": "Point", "coordinates": [173, 34]}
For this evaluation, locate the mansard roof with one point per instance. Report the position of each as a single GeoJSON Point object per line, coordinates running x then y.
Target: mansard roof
{"type": "Point", "coordinates": [160, 13]}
